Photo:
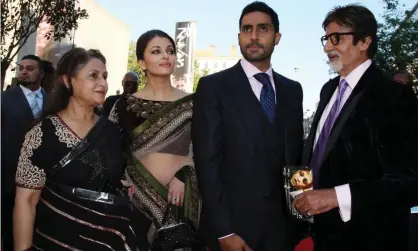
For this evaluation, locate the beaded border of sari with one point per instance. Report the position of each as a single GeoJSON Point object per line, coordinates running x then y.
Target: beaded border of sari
{"type": "Point", "coordinates": [70, 217]}
{"type": "Point", "coordinates": [173, 125]}
{"type": "Point", "coordinates": [157, 117]}
{"type": "Point", "coordinates": [153, 205]}
{"type": "Point", "coordinates": [137, 165]}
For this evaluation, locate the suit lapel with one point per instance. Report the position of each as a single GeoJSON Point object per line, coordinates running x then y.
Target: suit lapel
{"type": "Point", "coordinates": [247, 105]}
{"type": "Point", "coordinates": [347, 109]}
{"type": "Point", "coordinates": [43, 99]}
{"type": "Point", "coordinates": [21, 99]}
{"type": "Point", "coordinates": [329, 90]}
{"type": "Point", "coordinates": [281, 98]}
{"type": "Point", "coordinates": [282, 114]}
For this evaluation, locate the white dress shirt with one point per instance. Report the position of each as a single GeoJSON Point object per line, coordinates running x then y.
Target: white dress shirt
{"type": "Point", "coordinates": [250, 70]}
{"type": "Point", "coordinates": [39, 97]}
{"type": "Point", "coordinates": [343, 191]}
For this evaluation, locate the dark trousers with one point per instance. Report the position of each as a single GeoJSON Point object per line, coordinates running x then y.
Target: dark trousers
{"type": "Point", "coordinates": [7, 204]}
{"type": "Point", "coordinates": [413, 232]}
{"type": "Point", "coordinates": [274, 234]}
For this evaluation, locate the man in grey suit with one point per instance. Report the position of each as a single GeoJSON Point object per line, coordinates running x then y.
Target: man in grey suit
{"type": "Point", "coordinates": [20, 105]}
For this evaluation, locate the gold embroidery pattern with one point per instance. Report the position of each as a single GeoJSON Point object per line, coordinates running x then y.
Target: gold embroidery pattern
{"type": "Point", "coordinates": [156, 137]}
{"type": "Point", "coordinates": [65, 135]}
{"type": "Point", "coordinates": [195, 199]}
{"type": "Point", "coordinates": [150, 203]}
{"type": "Point", "coordinates": [182, 111]}
{"type": "Point", "coordinates": [113, 115]}
{"type": "Point", "coordinates": [27, 174]}
{"type": "Point", "coordinates": [144, 108]}
{"type": "Point", "coordinates": [92, 159]}
{"type": "Point", "coordinates": [146, 199]}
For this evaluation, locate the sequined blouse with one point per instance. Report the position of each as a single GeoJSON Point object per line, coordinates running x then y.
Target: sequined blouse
{"type": "Point", "coordinates": [130, 111]}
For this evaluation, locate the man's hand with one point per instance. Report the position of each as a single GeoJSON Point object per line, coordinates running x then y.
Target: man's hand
{"type": "Point", "coordinates": [315, 202]}
{"type": "Point", "coordinates": [233, 243]}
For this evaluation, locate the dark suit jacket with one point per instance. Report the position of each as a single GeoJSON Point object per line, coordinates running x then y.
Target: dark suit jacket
{"type": "Point", "coordinates": [239, 177]}
{"type": "Point", "coordinates": [108, 104]}
{"type": "Point", "coordinates": [16, 119]}
{"type": "Point", "coordinates": [373, 147]}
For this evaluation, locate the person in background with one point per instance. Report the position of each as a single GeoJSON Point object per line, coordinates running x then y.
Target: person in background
{"type": "Point", "coordinates": [130, 83]}
{"type": "Point", "coordinates": [362, 147]}
{"type": "Point", "coordinates": [20, 105]}
{"type": "Point", "coordinates": [405, 78]}
{"type": "Point", "coordinates": [49, 76]}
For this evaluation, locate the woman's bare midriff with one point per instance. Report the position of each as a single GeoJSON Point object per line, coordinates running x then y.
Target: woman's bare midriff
{"type": "Point", "coordinates": [163, 166]}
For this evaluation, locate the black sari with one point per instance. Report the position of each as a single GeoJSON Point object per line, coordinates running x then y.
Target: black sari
{"type": "Point", "coordinates": [66, 217]}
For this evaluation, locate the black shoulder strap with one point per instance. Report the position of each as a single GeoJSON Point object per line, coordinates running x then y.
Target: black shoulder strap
{"type": "Point", "coordinates": [82, 146]}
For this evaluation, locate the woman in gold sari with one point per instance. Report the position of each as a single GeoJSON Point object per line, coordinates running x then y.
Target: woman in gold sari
{"type": "Point", "coordinates": [156, 124]}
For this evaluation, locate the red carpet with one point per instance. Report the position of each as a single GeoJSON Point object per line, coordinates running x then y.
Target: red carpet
{"type": "Point", "coordinates": [305, 245]}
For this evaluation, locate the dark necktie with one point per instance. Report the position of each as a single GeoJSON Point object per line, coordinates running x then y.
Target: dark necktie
{"type": "Point", "coordinates": [267, 97]}
{"type": "Point", "coordinates": [322, 141]}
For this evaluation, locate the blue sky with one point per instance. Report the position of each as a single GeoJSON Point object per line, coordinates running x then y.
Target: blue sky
{"type": "Point", "coordinates": [217, 24]}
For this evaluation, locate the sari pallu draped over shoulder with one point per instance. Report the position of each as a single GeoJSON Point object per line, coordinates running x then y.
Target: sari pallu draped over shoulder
{"type": "Point", "coordinates": [82, 205]}
{"type": "Point", "coordinates": [166, 131]}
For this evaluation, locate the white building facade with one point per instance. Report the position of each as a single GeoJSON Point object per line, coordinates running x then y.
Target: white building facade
{"type": "Point", "coordinates": [208, 60]}
{"type": "Point", "coordinates": [101, 31]}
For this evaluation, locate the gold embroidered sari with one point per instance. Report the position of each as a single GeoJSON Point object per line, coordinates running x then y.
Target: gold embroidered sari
{"type": "Point", "coordinates": [165, 130]}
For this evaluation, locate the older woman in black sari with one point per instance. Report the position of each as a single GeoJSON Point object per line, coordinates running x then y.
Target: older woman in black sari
{"type": "Point", "coordinates": [69, 195]}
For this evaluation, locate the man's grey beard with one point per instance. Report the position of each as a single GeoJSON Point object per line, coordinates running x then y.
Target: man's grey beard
{"type": "Point", "coordinates": [336, 65]}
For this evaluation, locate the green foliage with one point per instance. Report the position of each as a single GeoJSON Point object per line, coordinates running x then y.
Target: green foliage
{"type": "Point", "coordinates": [21, 18]}
{"type": "Point", "coordinates": [398, 40]}
{"type": "Point", "coordinates": [198, 74]}
{"type": "Point", "coordinates": [134, 66]}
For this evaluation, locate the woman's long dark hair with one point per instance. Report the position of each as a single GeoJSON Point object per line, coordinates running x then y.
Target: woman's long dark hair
{"type": "Point", "coordinates": [144, 40]}
{"type": "Point", "coordinates": [68, 66]}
